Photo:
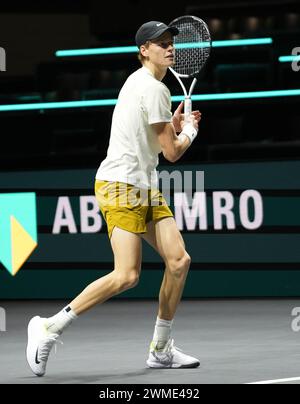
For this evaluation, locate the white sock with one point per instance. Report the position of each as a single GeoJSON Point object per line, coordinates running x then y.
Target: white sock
{"type": "Point", "coordinates": [162, 332]}
{"type": "Point", "coordinates": [61, 320]}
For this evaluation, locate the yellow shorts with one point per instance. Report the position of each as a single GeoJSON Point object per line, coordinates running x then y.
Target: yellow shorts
{"type": "Point", "coordinates": [128, 207]}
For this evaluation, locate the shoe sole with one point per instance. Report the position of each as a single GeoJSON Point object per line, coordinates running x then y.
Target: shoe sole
{"type": "Point", "coordinates": [153, 365]}
{"type": "Point", "coordinates": [26, 350]}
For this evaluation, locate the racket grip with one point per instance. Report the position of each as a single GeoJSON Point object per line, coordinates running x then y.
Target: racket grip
{"type": "Point", "coordinates": [187, 109]}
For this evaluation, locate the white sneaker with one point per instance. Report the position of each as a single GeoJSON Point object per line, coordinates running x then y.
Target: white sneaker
{"type": "Point", "coordinates": [170, 357]}
{"type": "Point", "coordinates": [39, 345]}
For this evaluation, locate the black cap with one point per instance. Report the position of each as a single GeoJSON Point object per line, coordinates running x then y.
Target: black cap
{"type": "Point", "coordinates": [152, 30]}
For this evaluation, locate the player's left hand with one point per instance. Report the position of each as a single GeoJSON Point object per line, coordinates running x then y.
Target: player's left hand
{"type": "Point", "coordinates": [178, 117]}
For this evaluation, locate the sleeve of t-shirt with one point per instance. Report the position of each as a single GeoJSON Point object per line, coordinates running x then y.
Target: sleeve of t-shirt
{"type": "Point", "coordinates": [157, 102]}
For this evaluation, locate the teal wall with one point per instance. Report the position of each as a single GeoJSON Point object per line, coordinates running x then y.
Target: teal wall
{"type": "Point", "coordinates": [225, 263]}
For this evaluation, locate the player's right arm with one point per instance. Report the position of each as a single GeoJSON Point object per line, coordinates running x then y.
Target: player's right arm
{"type": "Point", "coordinates": [174, 146]}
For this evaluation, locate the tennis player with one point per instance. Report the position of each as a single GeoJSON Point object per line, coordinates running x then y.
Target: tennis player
{"type": "Point", "coordinates": [127, 192]}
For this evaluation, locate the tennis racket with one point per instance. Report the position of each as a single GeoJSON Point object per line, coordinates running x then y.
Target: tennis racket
{"type": "Point", "coordinates": [192, 50]}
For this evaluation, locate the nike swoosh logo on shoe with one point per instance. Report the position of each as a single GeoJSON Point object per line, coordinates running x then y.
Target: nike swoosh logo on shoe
{"type": "Point", "coordinates": [36, 357]}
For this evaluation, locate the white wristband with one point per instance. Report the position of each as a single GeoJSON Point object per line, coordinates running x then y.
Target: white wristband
{"type": "Point", "coordinates": [182, 137]}
{"type": "Point", "coordinates": [189, 131]}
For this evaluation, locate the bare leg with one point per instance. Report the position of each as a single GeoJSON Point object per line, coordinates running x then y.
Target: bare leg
{"type": "Point", "coordinates": [127, 251]}
{"type": "Point", "coordinates": [170, 295]}
{"type": "Point", "coordinates": [165, 238]}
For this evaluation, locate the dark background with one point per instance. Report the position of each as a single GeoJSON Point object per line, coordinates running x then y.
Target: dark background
{"type": "Point", "coordinates": [242, 130]}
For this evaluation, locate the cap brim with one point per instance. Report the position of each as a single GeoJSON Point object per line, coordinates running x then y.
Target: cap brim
{"type": "Point", "coordinates": [174, 31]}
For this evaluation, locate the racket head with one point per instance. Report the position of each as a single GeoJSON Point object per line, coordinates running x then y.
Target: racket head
{"type": "Point", "coordinates": [192, 45]}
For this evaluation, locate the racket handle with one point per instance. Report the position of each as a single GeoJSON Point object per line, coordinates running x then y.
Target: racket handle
{"type": "Point", "coordinates": [187, 109]}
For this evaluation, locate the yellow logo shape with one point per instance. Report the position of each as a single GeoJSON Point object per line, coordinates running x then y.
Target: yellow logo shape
{"type": "Point", "coordinates": [22, 245]}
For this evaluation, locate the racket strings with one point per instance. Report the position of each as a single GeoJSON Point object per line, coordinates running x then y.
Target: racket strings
{"type": "Point", "coordinates": [190, 59]}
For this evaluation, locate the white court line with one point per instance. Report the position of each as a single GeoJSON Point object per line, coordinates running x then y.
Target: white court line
{"type": "Point", "coordinates": [291, 379]}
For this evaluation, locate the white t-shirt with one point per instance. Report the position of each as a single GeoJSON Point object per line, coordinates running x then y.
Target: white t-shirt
{"type": "Point", "coordinates": [132, 155]}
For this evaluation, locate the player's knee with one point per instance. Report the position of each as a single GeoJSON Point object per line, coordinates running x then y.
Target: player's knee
{"type": "Point", "coordinates": [128, 280]}
{"type": "Point", "coordinates": [180, 266]}
{"type": "Point", "coordinates": [188, 260]}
